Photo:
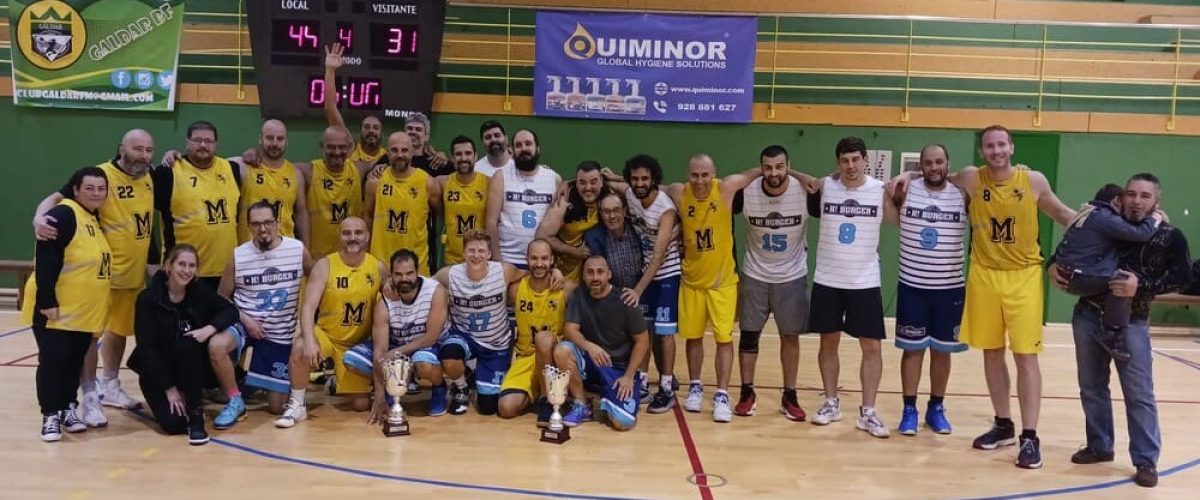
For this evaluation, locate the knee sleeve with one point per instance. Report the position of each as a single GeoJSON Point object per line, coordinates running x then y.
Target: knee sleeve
{"type": "Point", "coordinates": [487, 404]}
{"type": "Point", "coordinates": [748, 342]}
{"type": "Point", "coordinates": [452, 351]}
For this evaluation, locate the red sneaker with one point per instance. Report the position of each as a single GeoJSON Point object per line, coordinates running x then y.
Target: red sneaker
{"type": "Point", "coordinates": [792, 410]}
{"type": "Point", "coordinates": [747, 403]}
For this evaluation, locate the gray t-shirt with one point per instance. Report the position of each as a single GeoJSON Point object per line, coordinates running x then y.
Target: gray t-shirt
{"type": "Point", "coordinates": [608, 322]}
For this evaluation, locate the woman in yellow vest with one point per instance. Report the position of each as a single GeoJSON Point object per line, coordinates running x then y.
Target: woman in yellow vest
{"type": "Point", "coordinates": [66, 299]}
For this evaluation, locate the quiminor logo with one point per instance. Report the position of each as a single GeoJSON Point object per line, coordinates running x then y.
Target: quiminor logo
{"type": "Point", "coordinates": [580, 45]}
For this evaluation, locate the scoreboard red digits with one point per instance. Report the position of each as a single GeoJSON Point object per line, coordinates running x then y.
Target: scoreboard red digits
{"type": "Point", "coordinates": [389, 60]}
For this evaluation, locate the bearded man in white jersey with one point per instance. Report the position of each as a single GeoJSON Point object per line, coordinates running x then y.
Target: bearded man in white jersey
{"type": "Point", "coordinates": [263, 281]}
{"type": "Point", "coordinates": [930, 294]}
{"type": "Point", "coordinates": [846, 291]}
{"type": "Point", "coordinates": [479, 327]}
{"type": "Point", "coordinates": [518, 198]}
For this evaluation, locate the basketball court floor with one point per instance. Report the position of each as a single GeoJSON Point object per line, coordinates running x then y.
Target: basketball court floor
{"type": "Point", "coordinates": [674, 455]}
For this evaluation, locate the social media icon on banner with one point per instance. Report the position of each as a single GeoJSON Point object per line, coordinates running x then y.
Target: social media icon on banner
{"type": "Point", "coordinates": [144, 80]}
{"type": "Point", "coordinates": [121, 78]}
{"type": "Point", "coordinates": [661, 107]}
{"type": "Point", "coordinates": [660, 88]}
{"type": "Point", "coordinates": [166, 79]}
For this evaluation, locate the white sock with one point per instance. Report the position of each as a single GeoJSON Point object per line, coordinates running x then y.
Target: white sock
{"type": "Point", "coordinates": [89, 388]}
{"type": "Point", "coordinates": [722, 391]}
{"type": "Point", "coordinates": [298, 396]}
{"type": "Point", "coordinates": [665, 383]}
{"type": "Point", "coordinates": [697, 382]}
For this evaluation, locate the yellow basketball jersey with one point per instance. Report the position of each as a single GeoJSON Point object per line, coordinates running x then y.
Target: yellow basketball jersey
{"type": "Point", "coordinates": [345, 310]}
{"type": "Point", "coordinates": [276, 186]}
{"type": "Point", "coordinates": [401, 213]}
{"type": "Point", "coordinates": [332, 196]}
{"type": "Point", "coordinates": [537, 311]}
{"type": "Point", "coordinates": [204, 205]}
{"type": "Point", "coordinates": [125, 219]}
{"type": "Point", "coordinates": [359, 155]}
{"type": "Point", "coordinates": [1004, 222]}
{"type": "Point", "coordinates": [465, 206]}
{"type": "Point", "coordinates": [571, 233]}
{"type": "Point", "coordinates": [707, 240]}
{"type": "Point", "coordinates": [83, 285]}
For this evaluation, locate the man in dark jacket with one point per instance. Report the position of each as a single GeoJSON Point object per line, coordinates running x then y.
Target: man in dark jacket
{"type": "Point", "coordinates": [174, 317]}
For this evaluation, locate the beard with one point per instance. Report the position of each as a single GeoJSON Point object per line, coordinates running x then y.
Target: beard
{"type": "Point", "coordinates": [774, 182]}
{"type": "Point", "coordinates": [400, 163]}
{"type": "Point", "coordinates": [935, 181]}
{"type": "Point", "coordinates": [273, 153]}
{"type": "Point", "coordinates": [263, 245]}
{"type": "Point", "coordinates": [464, 167]}
{"type": "Point", "coordinates": [371, 140]}
{"type": "Point", "coordinates": [526, 162]}
{"type": "Point", "coordinates": [405, 287]}
{"type": "Point", "coordinates": [642, 192]}
{"type": "Point", "coordinates": [496, 148]}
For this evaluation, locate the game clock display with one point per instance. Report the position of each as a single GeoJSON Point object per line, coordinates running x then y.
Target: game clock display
{"type": "Point", "coordinates": [390, 57]}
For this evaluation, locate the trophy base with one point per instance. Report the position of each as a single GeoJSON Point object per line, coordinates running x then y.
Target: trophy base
{"type": "Point", "coordinates": [393, 429]}
{"type": "Point", "coordinates": [556, 437]}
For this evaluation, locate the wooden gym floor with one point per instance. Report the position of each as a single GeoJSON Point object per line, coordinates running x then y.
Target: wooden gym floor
{"type": "Point", "coordinates": [335, 454]}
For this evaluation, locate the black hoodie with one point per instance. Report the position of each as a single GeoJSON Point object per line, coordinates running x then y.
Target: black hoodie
{"type": "Point", "coordinates": [159, 323]}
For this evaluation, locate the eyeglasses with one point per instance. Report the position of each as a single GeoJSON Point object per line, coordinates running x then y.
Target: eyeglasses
{"type": "Point", "coordinates": [262, 224]}
{"type": "Point", "coordinates": [202, 142]}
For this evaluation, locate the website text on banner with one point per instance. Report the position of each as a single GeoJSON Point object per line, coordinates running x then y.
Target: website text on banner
{"type": "Point", "coordinates": [99, 54]}
{"type": "Point", "coordinates": [644, 67]}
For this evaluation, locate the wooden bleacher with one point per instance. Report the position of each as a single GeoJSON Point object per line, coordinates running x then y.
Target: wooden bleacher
{"type": "Point", "coordinates": [22, 269]}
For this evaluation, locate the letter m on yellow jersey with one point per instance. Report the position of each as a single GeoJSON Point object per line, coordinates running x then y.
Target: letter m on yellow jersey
{"type": "Point", "coordinates": [704, 239]}
{"type": "Point", "coordinates": [141, 224]}
{"type": "Point", "coordinates": [397, 221]}
{"type": "Point", "coordinates": [338, 212]}
{"type": "Point", "coordinates": [464, 224]}
{"type": "Point", "coordinates": [218, 213]}
{"type": "Point", "coordinates": [105, 271]}
{"type": "Point", "coordinates": [1003, 232]}
{"type": "Point", "coordinates": [352, 314]}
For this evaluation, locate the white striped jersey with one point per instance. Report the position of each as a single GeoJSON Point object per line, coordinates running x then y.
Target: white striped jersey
{"type": "Point", "coordinates": [526, 199]}
{"type": "Point", "coordinates": [645, 223]}
{"type": "Point", "coordinates": [480, 308]}
{"type": "Point", "coordinates": [848, 249]}
{"type": "Point", "coordinates": [933, 227]}
{"type": "Point", "coordinates": [776, 251]}
{"type": "Point", "coordinates": [267, 286]}
{"type": "Point", "coordinates": [485, 167]}
{"type": "Point", "coordinates": [407, 322]}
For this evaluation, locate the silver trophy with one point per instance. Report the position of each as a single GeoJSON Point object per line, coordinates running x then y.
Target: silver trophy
{"type": "Point", "coordinates": [556, 393]}
{"type": "Point", "coordinates": [396, 370]}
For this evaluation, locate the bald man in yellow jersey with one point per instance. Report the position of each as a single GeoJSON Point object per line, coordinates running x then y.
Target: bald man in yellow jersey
{"type": "Point", "coordinates": [275, 180]}
{"type": "Point", "coordinates": [338, 304]}
{"type": "Point", "coordinates": [197, 196]}
{"type": "Point", "coordinates": [333, 190]}
{"type": "Point", "coordinates": [464, 200]}
{"type": "Point", "coordinates": [709, 289]}
{"type": "Point", "coordinates": [125, 220]}
{"type": "Point", "coordinates": [399, 203]}
{"type": "Point", "coordinates": [572, 215]}
{"type": "Point", "coordinates": [1004, 284]}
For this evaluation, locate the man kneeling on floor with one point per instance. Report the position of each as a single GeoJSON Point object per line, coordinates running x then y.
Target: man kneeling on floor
{"type": "Point", "coordinates": [605, 342]}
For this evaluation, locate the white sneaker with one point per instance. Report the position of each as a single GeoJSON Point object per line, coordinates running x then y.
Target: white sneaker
{"type": "Point", "coordinates": [721, 411]}
{"type": "Point", "coordinates": [694, 398]}
{"type": "Point", "coordinates": [91, 411]}
{"type": "Point", "coordinates": [294, 412]}
{"type": "Point", "coordinates": [111, 394]}
{"type": "Point", "coordinates": [831, 411]}
{"type": "Point", "coordinates": [870, 422]}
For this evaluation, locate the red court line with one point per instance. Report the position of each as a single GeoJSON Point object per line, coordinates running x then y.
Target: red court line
{"type": "Point", "coordinates": [693, 454]}
{"type": "Point", "coordinates": [18, 360]}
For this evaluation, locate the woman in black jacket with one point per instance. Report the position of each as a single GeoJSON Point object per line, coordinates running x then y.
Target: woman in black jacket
{"type": "Point", "coordinates": [175, 316]}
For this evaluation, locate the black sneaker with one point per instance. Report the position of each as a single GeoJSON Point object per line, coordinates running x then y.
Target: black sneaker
{"type": "Point", "coordinates": [71, 421]}
{"type": "Point", "coordinates": [460, 400]}
{"type": "Point", "coordinates": [196, 433]}
{"type": "Point", "coordinates": [1146, 477]}
{"type": "Point", "coordinates": [1088, 456]}
{"type": "Point", "coordinates": [51, 428]}
{"type": "Point", "coordinates": [543, 409]}
{"type": "Point", "coordinates": [999, 435]}
{"type": "Point", "coordinates": [1030, 456]}
{"type": "Point", "coordinates": [662, 402]}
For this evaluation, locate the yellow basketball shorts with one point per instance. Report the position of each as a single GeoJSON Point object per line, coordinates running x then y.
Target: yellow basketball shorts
{"type": "Point", "coordinates": [121, 304]}
{"type": "Point", "coordinates": [522, 377]}
{"type": "Point", "coordinates": [1004, 301]}
{"type": "Point", "coordinates": [700, 307]}
{"type": "Point", "coordinates": [348, 381]}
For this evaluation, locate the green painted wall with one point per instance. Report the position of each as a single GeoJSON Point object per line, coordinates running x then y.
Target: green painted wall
{"type": "Point", "coordinates": [45, 145]}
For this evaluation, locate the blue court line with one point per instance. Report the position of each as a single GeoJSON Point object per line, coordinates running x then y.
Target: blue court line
{"type": "Point", "coordinates": [1173, 357]}
{"type": "Point", "coordinates": [14, 332]}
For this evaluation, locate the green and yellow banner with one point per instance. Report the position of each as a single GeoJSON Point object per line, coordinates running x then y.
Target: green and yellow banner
{"type": "Point", "coordinates": [96, 54]}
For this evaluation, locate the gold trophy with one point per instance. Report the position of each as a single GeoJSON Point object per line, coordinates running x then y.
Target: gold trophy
{"type": "Point", "coordinates": [396, 370]}
{"type": "Point", "coordinates": [556, 393]}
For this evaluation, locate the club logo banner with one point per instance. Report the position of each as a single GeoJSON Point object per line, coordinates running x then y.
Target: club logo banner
{"type": "Point", "coordinates": [97, 54]}
{"type": "Point", "coordinates": [653, 67]}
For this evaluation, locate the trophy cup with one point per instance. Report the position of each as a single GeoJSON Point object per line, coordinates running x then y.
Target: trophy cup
{"type": "Point", "coordinates": [396, 369]}
{"type": "Point", "coordinates": [556, 393]}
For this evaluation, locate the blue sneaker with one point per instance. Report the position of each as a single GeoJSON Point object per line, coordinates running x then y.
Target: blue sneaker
{"type": "Point", "coordinates": [437, 400]}
{"type": "Point", "coordinates": [908, 421]}
{"type": "Point", "coordinates": [935, 418]}
{"type": "Point", "coordinates": [580, 412]}
{"type": "Point", "coordinates": [233, 413]}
